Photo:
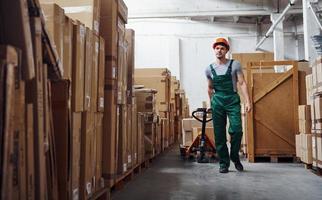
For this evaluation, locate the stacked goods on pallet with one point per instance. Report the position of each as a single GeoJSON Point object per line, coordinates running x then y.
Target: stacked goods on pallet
{"type": "Point", "coordinates": [146, 105]}
{"type": "Point", "coordinates": [269, 89]}
{"type": "Point", "coordinates": [175, 121]}
{"type": "Point", "coordinates": [159, 79]}
{"type": "Point", "coordinates": [314, 98]}
{"type": "Point", "coordinates": [79, 159]}
{"type": "Point", "coordinates": [113, 16]}
{"type": "Point", "coordinates": [304, 139]}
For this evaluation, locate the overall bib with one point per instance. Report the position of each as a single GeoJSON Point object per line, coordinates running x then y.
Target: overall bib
{"type": "Point", "coordinates": [226, 102]}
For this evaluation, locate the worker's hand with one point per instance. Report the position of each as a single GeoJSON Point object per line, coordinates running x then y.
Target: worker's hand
{"type": "Point", "coordinates": [248, 107]}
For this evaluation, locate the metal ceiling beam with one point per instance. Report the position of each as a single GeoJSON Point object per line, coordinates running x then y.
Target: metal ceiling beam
{"type": "Point", "coordinates": [275, 23]}
{"type": "Point", "coordinates": [315, 16]}
{"type": "Point", "coordinates": [215, 13]}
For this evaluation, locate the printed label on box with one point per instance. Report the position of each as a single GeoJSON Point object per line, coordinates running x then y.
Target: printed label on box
{"type": "Point", "coordinates": [96, 47]}
{"type": "Point", "coordinates": [101, 102]}
{"type": "Point", "coordinates": [76, 194]}
{"type": "Point", "coordinates": [113, 72]}
{"type": "Point", "coordinates": [96, 25]}
{"type": "Point", "coordinates": [135, 156]}
{"type": "Point", "coordinates": [89, 188]}
{"type": "Point", "coordinates": [124, 167]}
{"type": "Point", "coordinates": [82, 31]}
{"type": "Point", "coordinates": [129, 159]}
{"type": "Point", "coordinates": [102, 182]}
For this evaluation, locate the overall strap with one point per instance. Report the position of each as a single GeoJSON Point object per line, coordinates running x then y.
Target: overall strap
{"type": "Point", "coordinates": [213, 71]}
{"type": "Point", "coordinates": [230, 67]}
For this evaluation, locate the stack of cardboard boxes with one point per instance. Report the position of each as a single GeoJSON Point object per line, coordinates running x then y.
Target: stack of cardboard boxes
{"type": "Point", "coordinates": [304, 139]}
{"type": "Point", "coordinates": [314, 99]}
{"type": "Point", "coordinates": [77, 99]}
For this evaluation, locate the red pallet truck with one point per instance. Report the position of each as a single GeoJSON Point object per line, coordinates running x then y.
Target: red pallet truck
{"type": "Point", "coordinates": [202, 148]}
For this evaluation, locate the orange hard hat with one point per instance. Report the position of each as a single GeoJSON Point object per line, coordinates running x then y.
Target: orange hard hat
{"type": "Point", "coordinates": [221, 41]}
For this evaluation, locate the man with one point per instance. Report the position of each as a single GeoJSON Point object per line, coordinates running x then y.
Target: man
{"type": "Point", "coordinates": [223, 76]}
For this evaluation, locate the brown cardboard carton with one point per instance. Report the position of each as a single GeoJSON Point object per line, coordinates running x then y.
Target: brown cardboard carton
{"type": "Point", "coordinates": [122, 64]}
{"type": "Point", "coordinates": [130, 46]}
{"type": "Point", "coordinates": [122, 141]}
{"type": "Point", "coordinates": [68, 53]}
{"type": "Point", "coordinates": [99, 183]}
{"type": "Point", "coordinates": [109, 150]}
{"type": "Point", "coordinates": [122, 10]}
{"type": "Point", "coordinates": [175, 86]}
{"type": "Point", "coordinates": [95, 74]}
{"type": "Point", "coordinates": [101, 73]}
{"type": "Point", "coordinates": [108, 29]}
{"type": "Point", "coordinates": [141, 147]}
{"type": "Point", "coordinates": [129, 138]}
{"type": "Point", "coordinates": [55, 20]}
{"type": "Point", "coordinates": [86, 170]}
{"type": "Point", "coordinates": [209, 132]}
{"type": "Point", "coordinates": [298, 146]}
{"type": "Point", "coordinates": [134, 129]}
{"type": "Point", "coordinates": [317, 113]}
{"type": "Point", "coordinates": [319, 149]}
{"type": "Point", "coordinates": [61, 122]}
{"type": "Point", "coordinates": [146, 72]}
{"type": "Point", "coordinates": [305, 126]}
{"type": "Point", "coordinates": [86, 11]}
{"type": "Point", "coordinates": [305, 112]}
{"type": "Point", "coordinates": [146, 100]}
{"type": "Point", "coordinates": [149, 135]}
{"type": "Point", "coordinates": [306, 148]}
{"type": "Point", "coordinates": [161, 84]}
{"type": "Point", "coordinates": [76, 130]}
{"type": "Point", "coordinates": [88, 69]}
{"type": "Point", "coordinates": [78, 67]}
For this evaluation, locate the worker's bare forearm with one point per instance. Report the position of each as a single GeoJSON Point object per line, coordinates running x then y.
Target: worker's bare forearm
{"type": "Point", "coordinates": [210, 93]}
{"type": "Point", "coordinates": [244, 91]}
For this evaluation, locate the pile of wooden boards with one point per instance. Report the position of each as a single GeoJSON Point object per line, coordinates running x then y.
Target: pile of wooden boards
{"type": "Point", "coordinates": [314, 101]}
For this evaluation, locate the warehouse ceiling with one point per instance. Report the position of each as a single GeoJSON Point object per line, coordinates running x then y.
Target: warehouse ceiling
{"type": "Point", "coordinates": [234, 11]}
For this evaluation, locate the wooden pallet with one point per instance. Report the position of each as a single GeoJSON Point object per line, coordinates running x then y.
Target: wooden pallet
{"type": "Point", "coordinates": [316, 170]}
{"type": "Point", "coordinates": [275, 158]}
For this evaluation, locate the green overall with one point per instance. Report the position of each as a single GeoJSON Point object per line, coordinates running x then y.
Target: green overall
{"type": "Point", "coordinates": [226, 102]}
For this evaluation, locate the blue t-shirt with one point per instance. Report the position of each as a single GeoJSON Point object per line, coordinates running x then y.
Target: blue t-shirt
{"type": "Point", "coordinates": [222, 69]}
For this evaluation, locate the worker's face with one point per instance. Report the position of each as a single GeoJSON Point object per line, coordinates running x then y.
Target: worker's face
{"type": "Point", "coordinates": [220, 51]}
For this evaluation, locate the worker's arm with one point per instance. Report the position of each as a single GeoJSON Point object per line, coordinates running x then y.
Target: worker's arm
{"type": "Point", "coordinates": [243, 87]}
{"type": "Point", "coordinates": [210, 89]}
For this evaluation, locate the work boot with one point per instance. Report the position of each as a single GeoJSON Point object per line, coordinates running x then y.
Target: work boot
{"type": "Point", "coordinates": [239, 166]}
{"type": "Point", "coordinates": [223, 170]}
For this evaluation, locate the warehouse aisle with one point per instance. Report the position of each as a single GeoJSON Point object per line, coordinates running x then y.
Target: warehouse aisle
{"type": "Point", "coordinates": [170, 178]}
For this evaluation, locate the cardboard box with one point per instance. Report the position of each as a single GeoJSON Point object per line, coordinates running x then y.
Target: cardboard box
{"type": "Point", "coordinates": [61, 122]}
{"type": "Point", "coordinates": [298, 146]}
{"type": "Point", "coordinates": [162, 85]}
{"type": "Point", "coordinates": [141, 144]}
{"type": "Point", "coordinates": [109, 31]}
{"type": "Point", "coordinates": [317, 113]}
{"type": "Point", "coordinates": [146, 72]}
{"type": "Point", "coordinates": [146, 100]}
{"type": "Point", "coordinates": [175, 86]}
{"type": "Point", "coordinates": [109, 150]}
{"type": "Point", "coordinates": [130, 46]}
{"type": "Point", "coordinates": [101, 77]}
{"type": "Point", "coordinates": [129, 139]}
{"type": "Point", "coordinates": [76, 130]}
{"type": "Point", "coordinates": [165, 133]}
{"type": "Point", "coordinates": [86, 167]}
{"type": "Point", "coordinates": [88, 69]}
{"type": "Point", "coordinates": [134, 130]}
{"type": "Point", "coordinates": [99, 182]}
{"type": "Point", "coordinates": [95, 79]}
{"type": "Point", "coordinates": [122, 10]}
{"type": "Point", "coordinates": [122, 141]}
{"type": "Point", "coordinates": [149, 135]}
{"type": "Point", "coordinates": [86, 11]}
{"type": "Point", "coordinates": [319, 149]}
{"type": "Point", "coordinates": [317, 72]}
{"type": "Point", "coordinates": [55, 20]}
{"type": "Point", "coordinates": [306, 148]}
{"type": "Point", "coordinates": [122, 64]}
{"type": "Point", "coordinates": [305, 112]}
{"type": "Point", "coordinates": [187, 129]}
{"type": "Point", "coordinates": [68, 48]}
{"type": "Point", "coordinates": [78, 67]}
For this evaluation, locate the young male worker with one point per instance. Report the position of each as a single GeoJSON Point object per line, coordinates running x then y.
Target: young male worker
{"type": "Point", "coordinates": [223, 76]}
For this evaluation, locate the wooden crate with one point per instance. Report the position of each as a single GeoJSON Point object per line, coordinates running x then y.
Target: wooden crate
{"type": "Point", "coordinates": [273, 121]}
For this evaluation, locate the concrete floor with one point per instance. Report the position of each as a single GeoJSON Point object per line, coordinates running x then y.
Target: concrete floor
{"type": "Point", "coordinates": [171, 178]}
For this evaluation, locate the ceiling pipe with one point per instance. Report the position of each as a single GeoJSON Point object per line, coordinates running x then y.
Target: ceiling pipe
{"type": "Point", "coordinates": [275, 23]}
